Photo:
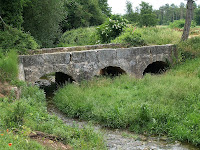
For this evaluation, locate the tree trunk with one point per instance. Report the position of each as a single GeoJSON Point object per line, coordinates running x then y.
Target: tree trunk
{"type": "Point", "coordinates": [188, 20]}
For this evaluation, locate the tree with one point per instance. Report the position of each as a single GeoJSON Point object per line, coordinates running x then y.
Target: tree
{"type": "Point", "coordinates": [130, 15]}
{"type": "Point", "coordinates": [197, 15]}
{"type": "Point", "coordinates": [147, 16]}
{"type": "Point", "coordinates": [11, 12]}
{"type": "Point", "coordinates": [81, 13]}
{"type": "Point", "coordinates": [188, 20]}
{"type": "Point", "coordinates": [42, 19]}
{"type": "Point", "coordinates": [103, 4]}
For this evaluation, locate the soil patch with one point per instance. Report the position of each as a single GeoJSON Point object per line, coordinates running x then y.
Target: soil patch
{"type": "Point", "coordinates": [49, 141]}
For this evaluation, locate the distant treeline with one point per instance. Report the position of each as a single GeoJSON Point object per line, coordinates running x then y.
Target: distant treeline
{"type": "Point", "coordinates": [165, 14]}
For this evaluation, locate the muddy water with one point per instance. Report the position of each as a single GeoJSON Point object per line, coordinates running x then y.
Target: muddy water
{"type": "Point", "coordinates": [122, 139]}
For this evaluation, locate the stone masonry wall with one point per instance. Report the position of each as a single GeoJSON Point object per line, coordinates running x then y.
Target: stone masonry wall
{"type": "Point", "coordinates": [86, 64]}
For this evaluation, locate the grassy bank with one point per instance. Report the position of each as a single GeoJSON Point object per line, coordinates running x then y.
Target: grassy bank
{"type": "Point", "coordinates": [167, 104]}
{"type": "Point", "coordinates": [29, 114]}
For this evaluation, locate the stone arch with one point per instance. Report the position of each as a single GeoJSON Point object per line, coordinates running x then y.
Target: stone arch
{"type": "Point", "coordinates": [157, 67]}
{"type": "Point", "coordinates": [57, 77]}
{"type": "Point", "coordinates": [111, 71]}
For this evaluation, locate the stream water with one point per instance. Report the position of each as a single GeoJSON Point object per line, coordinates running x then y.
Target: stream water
{"type": "Point", "coordinates": [120, 139]}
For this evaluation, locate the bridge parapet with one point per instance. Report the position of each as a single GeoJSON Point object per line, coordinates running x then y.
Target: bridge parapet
{"type": "Point", "coordinates": [85, 64]}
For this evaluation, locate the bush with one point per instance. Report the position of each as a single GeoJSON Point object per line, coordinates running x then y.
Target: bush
{"type": "Point", "coordinates": [8, 66]}
{"type": "Point", "coordinates": [180, 24]}
{"type": "Point", "coordinates": [159, 35]}
{"type": "Point", "coordinates": [111, 29]}
{"type": "Point", "coordinates": [130, 37]}
{"type": "Point", "coordinates": [29, 114]}
{"type": "Point", "coordinates": [190, 48]}
{"type": "Point", "coordinates": [79, 37]}
{"type": "Point", "coordinates": [12, 38]}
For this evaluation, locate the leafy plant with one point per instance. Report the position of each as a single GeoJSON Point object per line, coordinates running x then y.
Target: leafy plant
{"type": "Point", "coordinates": [79, 37]}
{"type": "Point", "coordinates": [131, 37]}
{"type": "Point", "coordinates": [111, 29]}
{"type": "Point", "coordinates": [8, 66]}
{"type": "Point", "coordinates": [12, 38]}
{"type": "Point", "coordinates": [180, 24]}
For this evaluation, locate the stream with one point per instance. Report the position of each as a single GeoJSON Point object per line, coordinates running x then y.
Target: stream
{"type": "Point", "coordinates": [118, 139]}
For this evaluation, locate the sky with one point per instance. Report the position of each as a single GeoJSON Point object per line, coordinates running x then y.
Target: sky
{"type": "Point", "coordinates": [119, 6]}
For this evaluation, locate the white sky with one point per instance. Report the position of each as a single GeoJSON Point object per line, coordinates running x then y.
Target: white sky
{"type": "Point", "coordinates": [119, 6]}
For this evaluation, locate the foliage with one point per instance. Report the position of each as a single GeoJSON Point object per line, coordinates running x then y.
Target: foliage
{"type": "Point", "coordinates": [190, 48]}
{"type": "Point", "coordinates": [131, 37]}
{"type": "Point", "coordinates": [159, 35]}
{"type": "Point", "coordinates": [180, 24]}
{"type": "Point", "coordinates": [167, 104]}
{"type": "Point", "coordinates": [11, 12]}
{"type": "Point", "coordinates": [111, 28]}
{"type": "Point", "coordinates": [42, 19]}
{"type": "Point", "coordinates": [79, 37]}
{"type": "Point", "coordinates": [103, 4]}
{"type": "Point", "coordinates": [17, 142]}
{"type": "Point", "coordinates": [76, 17]}
{"type": "Point", "coordinates": [8, 66]}
{"type": "Point", "coordinates": [197, 15]}
{"type": "Point", "coordinates": [169, 13]}
{"type": "Point", "coordinates": [147, 16]}
{"type": "Point", "coordinates": [29, 114]}
{"type": "Point", "coordinates": [12, 38]}
{"type": "Point", "coordinates": [131, 16]}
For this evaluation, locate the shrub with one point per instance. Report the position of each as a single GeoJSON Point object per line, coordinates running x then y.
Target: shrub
{"type": "Point", "coordinates": [111, 29]}
{"type": "Point", "coordinates": [79, 37]}
{"type": "Point", "coordinates": [8, 66]}
{"type": "Point", "coordinates": [190, 48]}
{"type": "Point", "coordinates": [130, 37]}
{"type": "Point", "coordinates": [12, 38]}
{"type": "Point", "coordinates": [180, 24]}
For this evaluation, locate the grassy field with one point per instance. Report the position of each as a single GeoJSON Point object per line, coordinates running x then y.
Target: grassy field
{"type": "Point", "coordinates": [166, 104]}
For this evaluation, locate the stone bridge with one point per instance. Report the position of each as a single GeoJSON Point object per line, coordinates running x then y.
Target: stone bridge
{"type": "Point", "coordinates": [80, 65]}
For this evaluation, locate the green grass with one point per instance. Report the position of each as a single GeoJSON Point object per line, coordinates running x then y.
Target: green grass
{"type": "Point", "coordinates": [167, 104]}
{"type": "Point", "coordinates": [159, 35]}
{"type": "Point", "coordinates": [8, 66]}
{"type": "Point", "coordinates": [30, 114]}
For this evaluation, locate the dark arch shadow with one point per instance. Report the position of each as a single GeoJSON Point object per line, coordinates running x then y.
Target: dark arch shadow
{"type": "Point", "coordinates": [52, 81]}
{"type": "Point", "coordinates": [62, 78]}
{"type": "Point", "coordinates": [112, 71]}
{"type": "Point", "coordinates": [157, 67]}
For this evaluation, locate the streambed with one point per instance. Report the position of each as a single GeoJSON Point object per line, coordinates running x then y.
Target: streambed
{"type": "Point", "coordinates": [123, 139]}
{"type": "Point", "coordinates": [117, 139]}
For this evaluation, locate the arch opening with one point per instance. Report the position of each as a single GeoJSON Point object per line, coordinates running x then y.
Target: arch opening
{"type": "Point", "coordinates": [62, 78]}
{"type": "Point", "coordinates": [157, 67]}
{"type": "Point", "coordinates": [52, 81]}
{"type": "Point", "coordinates": [112, 71]}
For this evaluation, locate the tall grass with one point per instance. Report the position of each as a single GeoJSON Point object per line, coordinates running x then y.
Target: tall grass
{"type": "Point", "coordinates": [167, 104]}
{"type": "Point", "coordinates": [8, 66]}
{"type": "Point", "coordinates": [29, 114]}
{"type": "Point", "coordinates": [159, 35]}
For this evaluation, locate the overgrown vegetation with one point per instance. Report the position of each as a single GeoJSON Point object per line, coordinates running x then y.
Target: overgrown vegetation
{"type": "Point", "coordinates": [160, 105]}
{"type": "Point", "coordinates": [111, 29]}
{"type": "Point", "coordinates": [8, 66]}
{"type": "Point", "coordinates": [180, 24]}
{"type": "Point", "coordinates": [12, 38]}
{"type": "Point", "coordinates": [29, 114]}
{"type": "Point", "coordinates": [79, 37]}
